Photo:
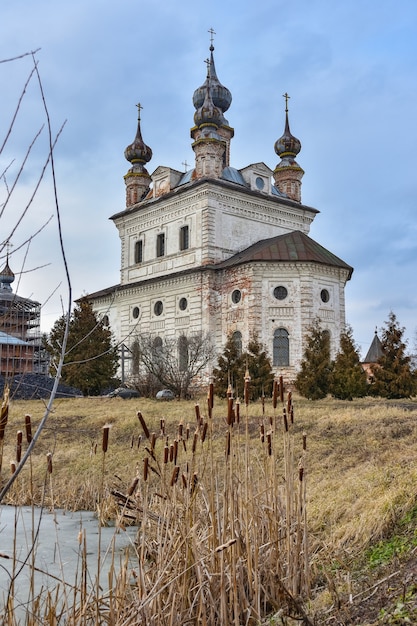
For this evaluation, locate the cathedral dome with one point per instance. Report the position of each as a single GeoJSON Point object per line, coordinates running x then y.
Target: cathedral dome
{"type": "Point", "coordinates": [220, 95]}
{"type": "Point", "coordinates": [287, 145]}
{"type": "Point", "coordinates": [138, 151]}
{"type": "Point", "coordinates": [208, 112]}
{"type": "Point", "coordinates": [6, 277]}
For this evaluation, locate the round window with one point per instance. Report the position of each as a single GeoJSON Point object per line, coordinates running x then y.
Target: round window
{"type": "Point", "coordinates": [260, 183]}
{"type": "Point", "coordinates": [135, 312]}
{"type": "Point", "coordinates": [106, 320]}
{"type": "Point", "coordinates": [183, 304]}
{"type": "Point", "coordinates": [158, 307]}
{"type": "Point", "coordinates": [280, 293]}
{"type": "Point", "coordinates": [236, 296]}
{"type": "Point", "coordinates": [324, 295]}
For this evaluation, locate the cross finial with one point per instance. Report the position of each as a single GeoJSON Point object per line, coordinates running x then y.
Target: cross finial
{"type": "Point", "coordinates": [185, 164]}
{"type": "Point", "coordinates": [140, 107]}
{"type": "Point", "coordinates": [212, 33]}
{"type": "Point", "coordinates": [287, 97]}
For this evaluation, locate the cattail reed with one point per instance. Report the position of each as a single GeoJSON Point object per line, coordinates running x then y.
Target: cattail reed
{"type": "Point", "coordinates": [289, 402]}
{"type": "Point", "coordinates": [228, 444]}
{"type": "Point", "coordinates": [197, 414]}
{"type": "Point", "coordinates": [229, 411]}
{"type": "Point", "coordinates": [211, 395]}
{"type": "Point", "coordinates": [284, 414]}
{"type": "Point", "coordinates": [4, 415]}
{"type": "Point", "coordinates": [28, 428]}
{"type": "Point", "coordinates": [171, 452]}
{"type": "Point", "coordinates": [175, 451]}
{"type": "Point", "coordinates": [300, 473]}
{"type": "Point", "coordinates": [166, 454]}
{"type": "Point", "coordinates": [174, 476]}
{"type": "Point", "coordinates": [269, 440]}
{"type": "Point", "coordinates": [194, 448]}
{"type": "Point", "coordinates": [275, 394]}
{"type": "Point", "coordinates": [237, 411]}
{"type": "Point", "coordinates": [194, 482]}
{"type": "Point", "coordinates": [143, 424]}
{"type": "Point", "coordinates": [12, 466]}
{"type": "Point", "coordinates": [162, 425]}
{"type": "Point", "coordinates": [204, 432]}
{"type": "Point", "coordinates": [184, 480]}
{"type": "Point", "coordinates": [133, 486]}
{"type": "Point", "coordinates": [187, 432]}
{"type": "Point", "coordinates": [281, 389]}
{"type": "Point", "coordinates": [139, 441]}
{"type": "Point", "coordinates": [153, 441]}
{"type": "Point", "coordinates": [262, 429]}
{"type": "Point", "coordinates": [145, 468]}
{"type": "Point", "coordinates": [19, 445]}
{"type": "Point", "coordinates": [304, 441]}
{"type": "Point", "coordinates": [105, 440]}
{"type": "Point", "coordinates": [49, 462]}
{"type": "Point", "coordinates": [180, 429]}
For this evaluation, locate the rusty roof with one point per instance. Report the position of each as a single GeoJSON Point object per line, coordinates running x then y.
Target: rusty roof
{"type": "Point", "coordinates": [290, 247]}
{"type": "Point", "coordinates": [375, 350]}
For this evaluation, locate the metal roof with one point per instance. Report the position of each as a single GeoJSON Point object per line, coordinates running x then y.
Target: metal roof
{"type": "Point", "coordinates": [11, 341]}
{"type": "Point", "coordinates": [375, 351]}
{"type": "Point", "coordinates": [290, 247]}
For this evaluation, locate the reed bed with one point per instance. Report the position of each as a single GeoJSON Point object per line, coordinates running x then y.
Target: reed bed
{"type": "Point", "coordinates": [221, 516]}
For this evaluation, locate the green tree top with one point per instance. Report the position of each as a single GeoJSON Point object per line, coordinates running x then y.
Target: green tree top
{"type": "Point", "coordinates": [313, 379]}
{"type": "Point", "coordinates": [393, 377]}
{"type": "Point", "coordinates": [91, 360]}
{"type": "Point", "coordinates": [348, 378]}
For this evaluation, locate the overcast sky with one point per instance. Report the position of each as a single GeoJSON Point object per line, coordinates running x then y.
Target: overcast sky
{"type": "Point", "coordinates": [350, 70]}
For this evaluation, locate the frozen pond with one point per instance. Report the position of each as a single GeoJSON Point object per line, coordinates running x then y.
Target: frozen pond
{"type": "Point", "coordinates": [57, 549]}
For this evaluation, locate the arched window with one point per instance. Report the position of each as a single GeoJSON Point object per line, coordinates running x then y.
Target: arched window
{"type": "Point", "coordinates": [183, 353]}
{"type": "Point", "coordinates": [237, 340]}
{"type": "Point", "coordinates": [157, 347]}
{"type": "Point", "coordinates": [281, 348]}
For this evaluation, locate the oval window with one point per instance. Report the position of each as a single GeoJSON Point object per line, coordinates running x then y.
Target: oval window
{"type": "Point", "coordinates": [324, 295]}
{"type": "Point", "coordinates": [158, 307]}
{"type": "Point", "coordinates": [183, 304]}
{"type": "Point", "coordinates": [135, 312]}
{"type": "Point", "coordinates": [236, 296]}
{"type": "Point", "coordinates": [280, 292]}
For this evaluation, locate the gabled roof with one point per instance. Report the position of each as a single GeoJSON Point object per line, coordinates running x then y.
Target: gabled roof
{"type": "Point", "coordinates": [290, 247]}
{"type": "Point", "coordinates": [375, 351]}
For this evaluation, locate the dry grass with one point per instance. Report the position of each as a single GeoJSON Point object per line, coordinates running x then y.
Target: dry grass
{"type": "Point", "coordinates": [213, 545]}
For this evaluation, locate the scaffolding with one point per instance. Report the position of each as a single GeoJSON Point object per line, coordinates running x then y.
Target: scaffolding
{"type": "Point", "coordinates": [20, 336]}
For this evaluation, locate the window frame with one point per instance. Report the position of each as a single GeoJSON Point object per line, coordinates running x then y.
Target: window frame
{"type": "Point", "coordinates": [160, 245]}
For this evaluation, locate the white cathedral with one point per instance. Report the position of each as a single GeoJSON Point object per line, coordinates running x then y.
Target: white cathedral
{"type": "Point", "coordinates": [222, 251]}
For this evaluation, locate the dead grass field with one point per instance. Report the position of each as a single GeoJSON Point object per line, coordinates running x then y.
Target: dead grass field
{"type": "Point", "coordinates": [360, 471]}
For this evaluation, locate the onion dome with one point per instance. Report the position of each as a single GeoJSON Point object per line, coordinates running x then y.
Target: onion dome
{"type": "Point", "coordinates": [287, 145]}
{"type": "Point", "coordinates": [208, 113]}
{"type": "Point", "coordinates": [220, 95]}
{"type": "Point", "coordinates": [138, 153]}
{"type": "Point", "coordinates": [6, 277]}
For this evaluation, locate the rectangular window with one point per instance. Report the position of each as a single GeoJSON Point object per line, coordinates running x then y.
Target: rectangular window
{"type": "Point", "coordinates": [160, 244]}
{"type": "Point", "coordinates": [139, 251]}
{"type": "Point", "coordinates": [184, 238]}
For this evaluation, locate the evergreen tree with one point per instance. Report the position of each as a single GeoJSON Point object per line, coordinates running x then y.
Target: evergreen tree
{"type": "Point", "coordinates": [348, 378]}
{"type": "Point", "coordinates": [230, 369]}
{"type": "Point", "coordinates": [393, 377]}
{"type": "Point", "coordinates": [91, 360]}
{"type": "Point", "coordinates": [260, 369]}
{"type": "Point", "coordinates": [313, 379]}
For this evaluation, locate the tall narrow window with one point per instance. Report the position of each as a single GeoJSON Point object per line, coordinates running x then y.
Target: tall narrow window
{"type": "Point", "coordinates": [237, 340]}
{"type": "Point", "coordinates": [183, 353]}
{"type": "Point", "coordinates": [160, 244]}
{"type": "Point", "coordinates": [184, 238]}
{"type": "Point", "coordinates": [139, 251]}
{"type": "Point", "coordinates": [281, 348]}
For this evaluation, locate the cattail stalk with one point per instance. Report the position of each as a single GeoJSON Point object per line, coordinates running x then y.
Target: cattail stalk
{"type": "Point", "coordinates": [19, 445]}
{"type": "Point", "coordinates": [143, 424]}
